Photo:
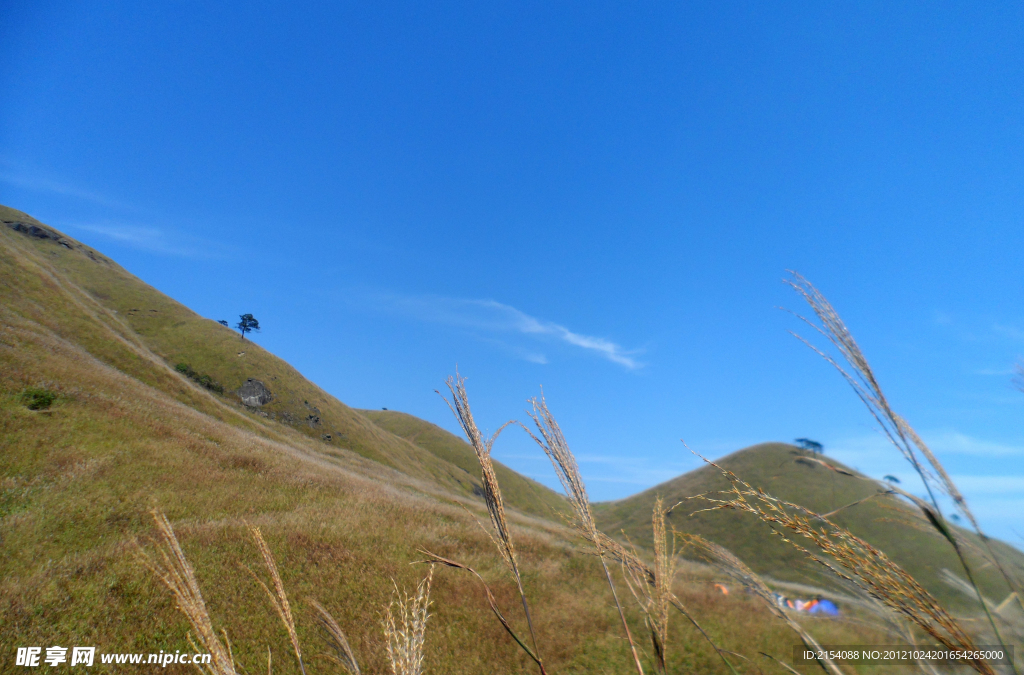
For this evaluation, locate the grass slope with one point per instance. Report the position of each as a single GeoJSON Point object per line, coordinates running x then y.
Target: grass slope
{"type": "Point", "coordinates": [528, 495]}
{"type": "Point", "coordinates": [782, 470]}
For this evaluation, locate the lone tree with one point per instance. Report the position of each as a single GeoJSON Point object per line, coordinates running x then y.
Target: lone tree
{"type": "Point", "coordinates": [246, 323]}
{"type": "Point", "coordinates": [808, 444]}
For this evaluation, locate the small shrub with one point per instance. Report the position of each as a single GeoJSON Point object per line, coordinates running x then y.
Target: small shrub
{"type": "Point", "coordinates": [202, 379]}
{"type": "Point", "coordinates": [37, 398]}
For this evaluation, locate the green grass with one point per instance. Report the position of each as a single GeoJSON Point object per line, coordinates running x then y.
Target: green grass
{"type": "Point", "coordinates": [38, 398]}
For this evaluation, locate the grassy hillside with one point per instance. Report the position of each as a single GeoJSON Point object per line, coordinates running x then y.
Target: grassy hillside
{"type": "Point", "coordinates": [83, 295]}
{"type": "Point", "coordinates": [529, 495]}
{"type": "Point", "coordinates": [784, 472]}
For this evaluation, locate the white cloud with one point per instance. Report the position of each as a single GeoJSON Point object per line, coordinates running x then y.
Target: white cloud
{"type": "Point", "coordinates": [144, 238]}
{"type": "Point", "coordinates": [492, 316]}
{"type": "Point", "coordinates": [955, 443]}
{"type": "Point", "coordinates": [42, 184]}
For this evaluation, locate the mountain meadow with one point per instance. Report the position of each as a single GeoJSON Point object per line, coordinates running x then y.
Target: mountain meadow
{"type": "Point", "coordinates": [308, 526]}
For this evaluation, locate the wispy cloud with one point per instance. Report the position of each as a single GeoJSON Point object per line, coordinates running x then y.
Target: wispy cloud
{"type": "Point", "coordinates": [146, 238]}
{"type": "Point", "coordinates": [875, 455]}
{"type": "Point", "coordinates": [37, 183]}
{"type": "Point", "coordinates": [990, 485]}
{"type": "Point", "coordinates": [529, 355]}
{"type": "Point", "coordinates": [495, 317]}
{"type": "Point", "coordinates": [956, 443]}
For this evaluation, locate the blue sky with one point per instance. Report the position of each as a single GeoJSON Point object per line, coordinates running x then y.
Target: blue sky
{"type": "Point", "coordinates": [598, 198]}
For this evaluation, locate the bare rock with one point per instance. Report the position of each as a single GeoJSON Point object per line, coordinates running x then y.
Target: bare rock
{"type": "Point", "coordinates": [254, 393]}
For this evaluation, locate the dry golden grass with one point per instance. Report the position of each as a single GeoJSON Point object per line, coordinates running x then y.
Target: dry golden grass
{"type": "Point", "coordinates": [459, 405]}
{"type": "Point", "coordinates": [863, 381]}
{"type": "Point", "coordinates": [737, 570]}
{"type": "Point", "coordinates": [653, 589]}
{"type": "Point", "coordinates": [656, 599]}
{"type": "Point", "coordinates": [336, 639]}
{"type": "Point", "coordinates": [405, 627]}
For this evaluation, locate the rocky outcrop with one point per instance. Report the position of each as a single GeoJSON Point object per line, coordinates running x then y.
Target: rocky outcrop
{"type": "Point", "coordinates": [35, 231]}
{"type": "Point", "coordinates": [254, 393]}
{"type": "Point", "coordinates": [40, 232]}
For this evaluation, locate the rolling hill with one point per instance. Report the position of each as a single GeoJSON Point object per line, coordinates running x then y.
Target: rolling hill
{"type": "Point", "coordinates": [789, 473]}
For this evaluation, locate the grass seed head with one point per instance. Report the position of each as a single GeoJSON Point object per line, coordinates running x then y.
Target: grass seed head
{"type": "Point", "coordinates": [173, 569]}
{"type": "Point", "coordinates": [405, 625]}
{"type": "Point", "coordinates": [336, 639]}
{"type": "Point", "coordinates": [842, 553]}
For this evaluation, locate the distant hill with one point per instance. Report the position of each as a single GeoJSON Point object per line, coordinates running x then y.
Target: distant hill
{"type": "Point", "coordinates": [785, 472]}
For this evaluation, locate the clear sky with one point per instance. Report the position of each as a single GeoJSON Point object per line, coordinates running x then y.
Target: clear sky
{"type": "Point", "coordinates": [598, 198]}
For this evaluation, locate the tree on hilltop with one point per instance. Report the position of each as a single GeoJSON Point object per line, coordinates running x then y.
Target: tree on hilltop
{"type": "Point", "coordinates": [808, 444]}
{"type": "Point", "coordinates": [247, 323]}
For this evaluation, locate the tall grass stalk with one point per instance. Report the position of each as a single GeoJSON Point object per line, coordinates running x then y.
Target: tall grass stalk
{"type": "Point", "coordinates": [638, 570]}
{"type": "Point", "coordinates": [343, 653]}
{"type": "Point", "coordinates": [405, 626]}
{"type": "Point", "coordinates": [278, 598]}
{"type": "Point", "coordinates": [863, 381]}
{"type": "Point", "coordinates": [173, 569]}
{"type": "Point", "coordinates": [850, 558]}
{"type": "Point", "coordinates": [652, 588]}
{"type": "Point", "coordinates": [459, 405]}
{"type": "Point", "coordinates": [556, 448]}
{"type": "Point", "coordinates": [928, 523]}
{"type": "Point", "coordinates": [433, 558]}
